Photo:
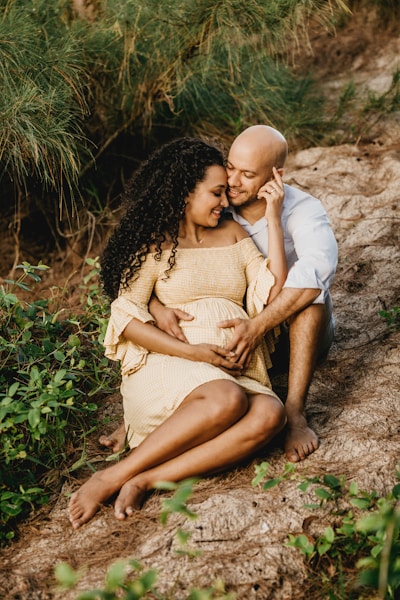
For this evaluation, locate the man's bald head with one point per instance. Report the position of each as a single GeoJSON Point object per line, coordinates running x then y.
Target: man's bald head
{"type": "Point", "coordinates": [250, 163]}
{"type": "Point", "coordinates": [266, 145]}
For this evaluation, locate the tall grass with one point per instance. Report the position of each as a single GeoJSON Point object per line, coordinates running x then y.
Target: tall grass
{"type": "Point", "coordinates": [74, 82]}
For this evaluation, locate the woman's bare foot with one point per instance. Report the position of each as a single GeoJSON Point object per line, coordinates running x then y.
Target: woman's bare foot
{"type": "Point", "coordinates": [116, 441]}
{"type": "Point", "coordinates": [300, 440]}
{"type": "Point", "coordinates": [85, 502]}
{"type": "Point", "coordinates": [130, 498]}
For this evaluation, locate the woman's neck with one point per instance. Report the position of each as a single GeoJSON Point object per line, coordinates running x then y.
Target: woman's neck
{"type": "Point", "coordinates": [192, 236]}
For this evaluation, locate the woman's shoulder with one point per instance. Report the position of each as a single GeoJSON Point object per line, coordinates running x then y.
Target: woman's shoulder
{"type": "Point", "coordinates": [232, 230]}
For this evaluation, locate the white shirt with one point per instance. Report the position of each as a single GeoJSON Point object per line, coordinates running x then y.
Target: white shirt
{"type": "Point", "coordinates": [310, 246]}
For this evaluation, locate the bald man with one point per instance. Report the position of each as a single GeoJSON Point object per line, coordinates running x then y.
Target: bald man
{"type": "Point", "coordinates": [303, 308]}
{"type": "Point", "coordinates": [304, 305]}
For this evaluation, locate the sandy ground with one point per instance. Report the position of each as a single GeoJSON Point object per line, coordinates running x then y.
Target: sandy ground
{"type": "Point", "coordinates": [242, 531]}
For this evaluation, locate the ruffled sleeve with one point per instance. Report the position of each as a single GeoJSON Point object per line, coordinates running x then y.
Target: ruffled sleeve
{"type": "Point", "coordinates": [131, 304]}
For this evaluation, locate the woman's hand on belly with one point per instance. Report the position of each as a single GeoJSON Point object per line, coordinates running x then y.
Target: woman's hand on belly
{"type": "Point", "coordinates": [217, 356]}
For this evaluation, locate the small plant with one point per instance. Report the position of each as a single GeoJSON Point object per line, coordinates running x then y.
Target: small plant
{"type": "Point", "coordinates": [381, 569]}
{"type": "Point", "coordinates": [262, 471]}
{"type": "Point", "coordinates": [178, 505]}
{"type": "Point", "coordinates": [391, 317]}
{"type": "Point", "coordinates": [355, 553]}
{"type": "Point", "coordinates": [128, 577]}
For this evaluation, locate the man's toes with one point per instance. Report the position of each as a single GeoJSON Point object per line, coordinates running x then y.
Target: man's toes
{"type": "Point", "coordinates": [292, 455]}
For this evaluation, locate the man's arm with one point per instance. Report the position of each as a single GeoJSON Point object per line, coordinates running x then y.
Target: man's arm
{"type": "Point", "coordinates": [314, 242]}
{"type": "Point", "coordinates": [249, 333]}
{"type": "Point", "coordinates": [167, 319]}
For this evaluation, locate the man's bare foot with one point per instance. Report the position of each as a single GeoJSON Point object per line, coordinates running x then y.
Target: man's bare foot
{"type": "Point", "coordinates": [300, 440]}
{"type": "Point", "coordinates": [116, 441]}
{"type": "Point", "coordinates": [130, 498]}
{"type": "Point", "coordinates": [84, 503]}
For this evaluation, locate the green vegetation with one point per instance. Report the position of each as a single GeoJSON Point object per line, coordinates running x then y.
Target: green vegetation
{"type": "Point", "coordinates": [84, 96]}
{"type": "Point", "coordinates": [85, 89]}
{"type": "Point", "coordinates": [128, 580]}
{"type": "Point", "coordinates": [391, 317]}
{"type": "Point", "coordinates": [360, 551]}
{"type": "Point", "coordinates": [352, 558]}
{"type": "Point", "coordinates": [87, 92]}
{"type": "Point", "coordinates": [51, 363]}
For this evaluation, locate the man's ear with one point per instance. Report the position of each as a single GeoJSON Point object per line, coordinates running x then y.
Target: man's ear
{"type": "Point", "coordinates": [281, 171]}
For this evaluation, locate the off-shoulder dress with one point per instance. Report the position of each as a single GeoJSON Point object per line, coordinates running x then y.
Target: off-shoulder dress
{"type": "Point", "coordinates": [213, 285]}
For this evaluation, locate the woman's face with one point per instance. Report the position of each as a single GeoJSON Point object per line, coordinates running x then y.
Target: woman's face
{"type": "Point", "coordinates": [204, 205]}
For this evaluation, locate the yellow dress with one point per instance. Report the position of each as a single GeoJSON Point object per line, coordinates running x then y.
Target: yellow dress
{"type": "Point", "coordinates": [212, 284]}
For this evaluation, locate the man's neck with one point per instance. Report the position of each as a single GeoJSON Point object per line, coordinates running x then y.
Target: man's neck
{"type": "Point", "coordinates": [252, 212]}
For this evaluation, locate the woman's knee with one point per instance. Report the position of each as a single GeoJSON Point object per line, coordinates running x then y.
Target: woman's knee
{"type": "Point", "coordinates": [226, 402]}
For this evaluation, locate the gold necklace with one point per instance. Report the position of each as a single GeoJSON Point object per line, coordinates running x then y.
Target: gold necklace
{"type": "Point", "coordinates": [203, 238]}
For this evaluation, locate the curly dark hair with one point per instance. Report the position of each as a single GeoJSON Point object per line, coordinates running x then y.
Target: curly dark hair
{"type": "Point", "coordinates": [155, 205]}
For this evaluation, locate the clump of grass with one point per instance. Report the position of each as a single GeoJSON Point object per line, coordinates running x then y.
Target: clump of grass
{"type": "Point", "coordinates": [391, 316]}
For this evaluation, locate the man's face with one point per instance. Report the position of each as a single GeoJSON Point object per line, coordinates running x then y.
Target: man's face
{"type": "Point", "coordinates": [247, 172]}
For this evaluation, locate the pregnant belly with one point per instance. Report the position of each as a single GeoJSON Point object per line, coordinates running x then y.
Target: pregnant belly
{"type": "Point", "coordinates": [207, 313]}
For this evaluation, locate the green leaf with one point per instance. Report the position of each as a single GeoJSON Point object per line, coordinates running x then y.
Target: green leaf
{"type": "Point", "coordinates": [271, 483]}
{"type": "Point", "coordinates": [13, 388]}
{"type": "Point", "coordinates": [368, 523]}
{"type": "Point", "coordinates": [331, 481]}
{"type": "Point", "coordinates": [116, 575]}
{"type": "Point", "coordinates": [66, 575]}
{"type": "Point", "coordinates": [362, 503]}
{"type": "Point", "coordinates": [353, 488]}
{"type": "Point", "coordinates": [329, 534]}
{"type": "Point", "coordinates": [34, 417]}
{"type": "Point", "coordinates": [323, 493]}
{"type": "Point", "coordinates": [302, 543]}
{"type": "Point", "coordinates": [60, 375]}
{"type": "Point", "coordinates": [323, 547]}
{"type": "Point", "coordinates": [261, 472]}
{"type": "Point", "coordinates": [396, 491]}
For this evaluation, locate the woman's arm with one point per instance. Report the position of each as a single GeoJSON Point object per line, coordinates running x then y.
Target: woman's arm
{"type": "Point", "coordinates": [153, 339]}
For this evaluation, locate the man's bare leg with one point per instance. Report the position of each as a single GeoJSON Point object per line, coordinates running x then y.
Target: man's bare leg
{"type": "Point", "coordinates": [264, 419]}
{"type": "Point", "coordinates": [116, 441]}
{"type": "Point", "coordinates": [305, 332]}
{"type": "Point", "coordinates": [205, 413]}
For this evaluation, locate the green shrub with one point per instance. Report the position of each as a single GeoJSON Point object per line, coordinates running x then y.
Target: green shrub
{"type": "Point", "coordinates": [72, 84]}
{"type": "Point", "coordinates": [51, 363]}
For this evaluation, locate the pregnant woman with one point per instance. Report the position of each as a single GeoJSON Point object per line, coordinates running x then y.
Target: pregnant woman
{"type": "Point", "coordinates": [189, 408]}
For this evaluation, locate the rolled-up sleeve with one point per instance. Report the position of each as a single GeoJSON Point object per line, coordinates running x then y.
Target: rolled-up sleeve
{"type": "Point", "coordinates": [315, 246]}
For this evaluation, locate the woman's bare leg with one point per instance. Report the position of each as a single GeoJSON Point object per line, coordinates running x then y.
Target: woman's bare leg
{"type": "Point", "coordinates": [205, 413]}
{"type": "Point", "coordinates": [264, 419]}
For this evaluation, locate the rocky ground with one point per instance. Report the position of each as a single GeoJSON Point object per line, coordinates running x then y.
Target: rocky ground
{"type": "Point", "coordinates": [242, 531]}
